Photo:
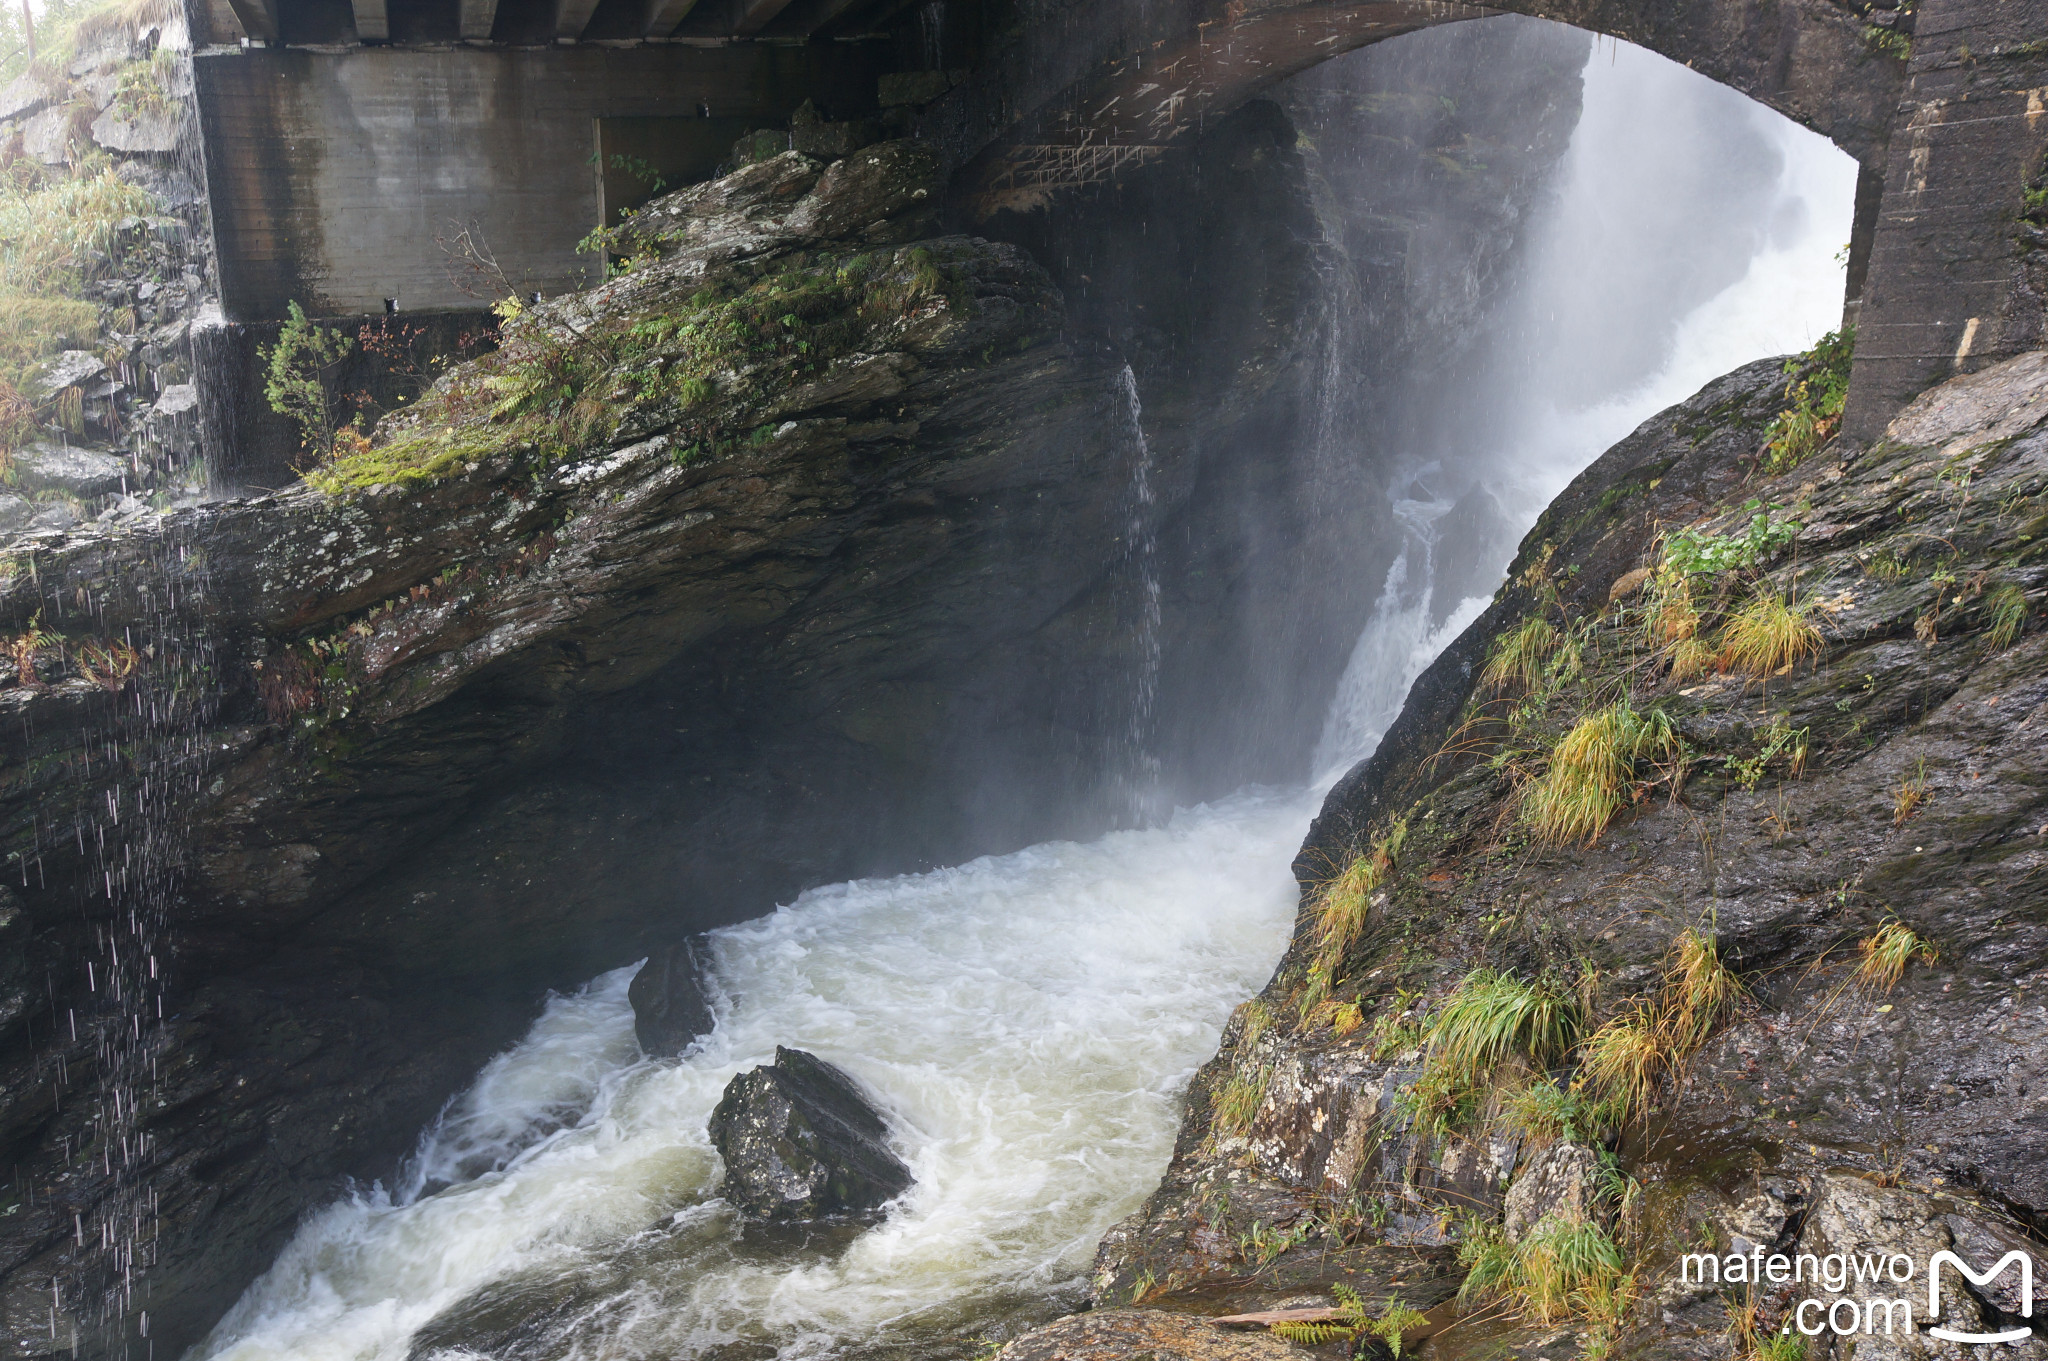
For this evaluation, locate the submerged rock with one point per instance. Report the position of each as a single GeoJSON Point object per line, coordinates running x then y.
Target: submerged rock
{"type": "Point", "coordinates": [800, 1142]}
{"type": "Point", "coordinates": [670, 1008]}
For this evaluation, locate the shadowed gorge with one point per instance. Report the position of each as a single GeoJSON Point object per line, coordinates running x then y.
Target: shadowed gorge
{"type": "Point", "coordinates": [1325, 679]}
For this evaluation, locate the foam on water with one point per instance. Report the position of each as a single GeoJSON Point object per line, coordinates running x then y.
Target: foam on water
{"type": "Point", "coordinates": [1026, 1019]}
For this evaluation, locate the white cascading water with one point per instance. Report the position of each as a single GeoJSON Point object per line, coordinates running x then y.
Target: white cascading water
{"type": "Point", "coordinates": [1027, 1020]}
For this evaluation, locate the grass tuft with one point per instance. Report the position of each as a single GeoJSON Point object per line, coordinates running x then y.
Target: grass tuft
{"type": "Point", "coordinates": [1493, 1017]}
{"type": "Point", "coordinates": [1342, 905]}
{"type": "Point", "coordinates": [1591, 769]}
{"type": "Point", "coordinates": [2008, 616]}
{"type": "Point", "coordinates": [1518, 656]}
{"type": "Point", "coordinates": [1911, 793]}
{"type": "Point", "coordinates": [1767, 635]}
{"type": "Point", "coordinates": [1883, 955]}
{"type": "Point", "coordinates": [1564, 1268]}
{"type": "Point", "coordinates": [1238, 1103]}
{"type": "Point", "coordinates": [1625, 1059]}
{"type": "Point", "coordinates": [1699, 990]}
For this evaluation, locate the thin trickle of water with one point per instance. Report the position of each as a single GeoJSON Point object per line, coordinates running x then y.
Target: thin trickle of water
{"type": "Point", "coordinates": [1135, 763]}
{"type": "Point", "coordinates": [103, 1046]}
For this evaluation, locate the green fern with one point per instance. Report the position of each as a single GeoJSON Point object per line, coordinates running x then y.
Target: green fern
{"type": "Point", "coordinates": [1313, 1334]}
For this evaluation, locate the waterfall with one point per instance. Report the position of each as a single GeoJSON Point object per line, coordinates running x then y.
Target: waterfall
{"type": "Point", "coordinates": [1401, 638]}
{"type": "Point", "coordinates": [1027, 1021]}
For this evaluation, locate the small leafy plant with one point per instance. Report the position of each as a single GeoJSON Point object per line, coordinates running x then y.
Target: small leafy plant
{"type": "Point", "coordinates": [1354, 1319]}
{"type": "Point", "coordinates": [1818, 389]}
{"type": "Point", "coordinates": [1691, 552]}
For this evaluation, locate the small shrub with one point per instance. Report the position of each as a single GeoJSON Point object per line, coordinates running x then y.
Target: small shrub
{"type": "Point", "coordinates": [298, 372]}
{"type": "Point", "coordinates": [1591, 770]}
{"type": "Point", "coordinates": [1767, 635]}
{"type": "Point", "coordinates": [1818, 388]}
{"type": "Point", "coordinates": [1883, 955]}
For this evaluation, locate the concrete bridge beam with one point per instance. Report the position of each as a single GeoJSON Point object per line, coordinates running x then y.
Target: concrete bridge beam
{"type": "Point", "coordinates": [571, 18]}
{"type": "Point", "coordinates": [756, 15]}
{"type": "Point", "coordinates": [664, 15]}
{"type": "Point", "coordinates": [373, 22]}
{"type": "Point", "coordinates": [477, 19]}
{"type": "Point", "coordinates": [258, 18]}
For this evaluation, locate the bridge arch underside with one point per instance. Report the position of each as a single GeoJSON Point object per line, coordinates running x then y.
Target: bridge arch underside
{"type": "Point", "coordinates": [1808, 59]}
{"type": "Point", "coordinates": [1941, 105]}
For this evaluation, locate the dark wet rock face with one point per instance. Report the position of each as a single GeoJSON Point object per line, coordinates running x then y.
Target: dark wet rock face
{"type": "Point", "coordinates": [800, 1142]}
{"type": "Point", "coordinates": [671, 1006]}
{"type": "Point", "coordinates": [439, 743]}
{"type": "Point", "coordinates": [1830, 1110]}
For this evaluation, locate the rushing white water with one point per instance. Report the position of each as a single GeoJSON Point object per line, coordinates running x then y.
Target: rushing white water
{"type": "Point", "coordinates": [1027, 1021]}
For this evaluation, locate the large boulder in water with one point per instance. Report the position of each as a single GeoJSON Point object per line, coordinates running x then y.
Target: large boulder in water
{"type": "Point", "coordinates": [801, 1142]}
{"type": "Point", "coordinates": [670, 1009]}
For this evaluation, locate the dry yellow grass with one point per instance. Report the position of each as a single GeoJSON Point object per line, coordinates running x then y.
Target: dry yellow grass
{"type": "Point", "coordinates": [1768, 635]}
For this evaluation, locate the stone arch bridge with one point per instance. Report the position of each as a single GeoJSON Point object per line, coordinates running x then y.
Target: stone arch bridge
{"type": "Point", "coordinates": [344, 137]}
{"type": "Point", "coordinates": [1940, 103]}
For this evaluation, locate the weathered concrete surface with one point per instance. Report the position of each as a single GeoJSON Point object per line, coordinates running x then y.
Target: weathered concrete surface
{"type": "Point", "coordinates": [342, 178]}
{"type": "Point", "coordinates": [1956, 270]}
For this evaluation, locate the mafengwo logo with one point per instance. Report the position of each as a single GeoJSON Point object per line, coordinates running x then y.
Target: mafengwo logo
{"type": "Point", "coordinates": [1838, 1272]}
{"type": "Point", "coordinates": [2015, 1258]}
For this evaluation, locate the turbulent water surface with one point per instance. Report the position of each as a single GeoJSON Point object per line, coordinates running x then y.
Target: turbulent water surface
{"type": "Point", "coordinates": [1026, 1020]}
